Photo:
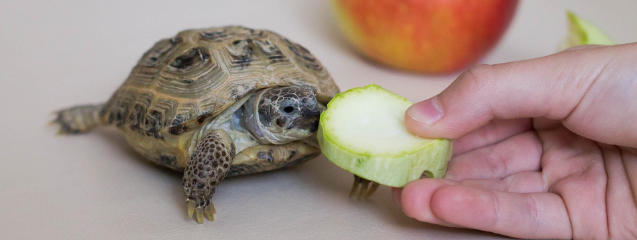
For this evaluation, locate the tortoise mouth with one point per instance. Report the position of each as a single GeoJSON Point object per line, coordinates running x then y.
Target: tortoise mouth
{"type": "Point", "coordinates": [323, 100]}
{"type": "Point", "coordinates": [314, 126]}
{"type": "Point", "coordinates": [314, 122]}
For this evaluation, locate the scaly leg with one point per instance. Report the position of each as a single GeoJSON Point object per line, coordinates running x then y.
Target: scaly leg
{"type": "Point", "coordinates": [208, 166]}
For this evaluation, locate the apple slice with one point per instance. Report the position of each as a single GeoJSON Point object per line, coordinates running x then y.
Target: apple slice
{"type": "Point", "coordinates": [582, 32]}
{"type": "Point", "coordinates": [363, 132]}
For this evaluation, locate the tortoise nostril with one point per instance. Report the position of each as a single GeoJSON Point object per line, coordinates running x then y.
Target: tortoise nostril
{"type": "Point", "coordinates": [280, 122]}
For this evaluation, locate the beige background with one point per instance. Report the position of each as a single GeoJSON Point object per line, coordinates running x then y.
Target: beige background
{"type": "Point", "coordinates": [54, 54]}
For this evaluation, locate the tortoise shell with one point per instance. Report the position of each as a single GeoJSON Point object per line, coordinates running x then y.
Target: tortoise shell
{"type": "Point", "coordinates": [183, 81]}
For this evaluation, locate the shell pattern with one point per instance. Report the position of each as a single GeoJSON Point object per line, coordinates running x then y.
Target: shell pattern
{"type": "Point", "coordinates": [187, 80]}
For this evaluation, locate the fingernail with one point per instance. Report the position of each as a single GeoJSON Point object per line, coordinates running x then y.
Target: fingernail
{"type": "Point", "coordinates": [395, 193]}
{"type": "Point", "coordinates": [427, 111]}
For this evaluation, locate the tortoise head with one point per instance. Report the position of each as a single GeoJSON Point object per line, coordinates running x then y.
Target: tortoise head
{"type": "Point", "coordinates": [283, 114]}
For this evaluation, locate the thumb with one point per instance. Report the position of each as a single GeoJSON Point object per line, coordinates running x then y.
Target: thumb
{"type": "Point", "coordinates": [549, 87]}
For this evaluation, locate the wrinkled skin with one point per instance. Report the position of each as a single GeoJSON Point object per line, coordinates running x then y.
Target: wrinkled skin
{"type": "Point", "coordinates": [546, 148]}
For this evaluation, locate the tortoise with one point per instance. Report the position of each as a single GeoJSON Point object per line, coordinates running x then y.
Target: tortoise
{"type": "Point", "coordinates": [216, 102]}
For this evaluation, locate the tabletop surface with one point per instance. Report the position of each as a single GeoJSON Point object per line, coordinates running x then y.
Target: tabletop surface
{"type": "Point", "coordinates": [54, 54]}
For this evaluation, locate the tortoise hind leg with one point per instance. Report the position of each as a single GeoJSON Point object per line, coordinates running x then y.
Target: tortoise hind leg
{"type": "Point", "coordinates": [208, 165]}
{"type": "Point", "coordinates": [79, 119]}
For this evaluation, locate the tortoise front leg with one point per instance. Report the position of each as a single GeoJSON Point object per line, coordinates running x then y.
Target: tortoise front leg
{"type": "Point", "coordinates": [208, 166]}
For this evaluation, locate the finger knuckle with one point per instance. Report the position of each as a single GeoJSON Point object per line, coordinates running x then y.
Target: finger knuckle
{"type": "Point", "coordinates": [477, 77]}
{"type": "Point", "coordinates": [534, 221]}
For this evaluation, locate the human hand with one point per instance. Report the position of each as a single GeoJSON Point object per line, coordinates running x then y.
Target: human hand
{"type": "Point", "coordinates": [546, 148]}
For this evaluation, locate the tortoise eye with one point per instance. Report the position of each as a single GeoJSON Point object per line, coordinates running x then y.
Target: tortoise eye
{"type": "Point", "coordinates": [189, 60]}
{"type": "Point", "coordinates": [287, 107]}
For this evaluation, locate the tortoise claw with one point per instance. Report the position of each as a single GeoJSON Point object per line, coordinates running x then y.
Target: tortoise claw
{"type": "Point", "coordinates": [209, 211]}
{"type": "Point", "coordinates": [372, 189]}
{"type": "Point", "coordinates": [365, 190]}
{"type": "Point", "coordinates": [191, 209]}
{"type": "Point", "coordinates": [199, 215]}
{"type": "Point", "coordinates": [355, 186]}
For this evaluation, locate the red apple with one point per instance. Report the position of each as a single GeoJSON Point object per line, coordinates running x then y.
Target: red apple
{"type": "Point", "coordinates": [431, 36]}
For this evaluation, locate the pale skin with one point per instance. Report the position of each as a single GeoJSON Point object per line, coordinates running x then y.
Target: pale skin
{"type": "Point", "coordinates": [546, 148]}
